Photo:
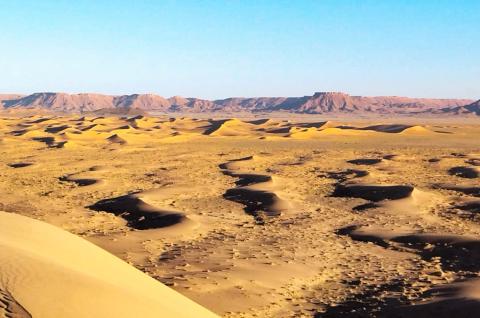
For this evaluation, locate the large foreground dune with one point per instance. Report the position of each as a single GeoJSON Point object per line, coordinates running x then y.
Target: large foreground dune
{"type": "Point", "coordinates": [258, 217]}
{"type": "Point", "coordinates": [48, 272]}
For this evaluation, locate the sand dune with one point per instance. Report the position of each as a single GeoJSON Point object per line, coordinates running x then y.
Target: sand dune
{"type": "Point", "coordinates": [139, 214]}
{"type": "Point", "coordinates": [58, 132]}
{"type": "Point", "coordinates": [116, 139]}
{"type": "Point", "coordinates": [255, 191]}
{"type": "Point", "coordinates": [391, 129]}
{"type": "Point", "coordinates": [46, 272]}
{"type": "Point", "coordinates": [249, 217]}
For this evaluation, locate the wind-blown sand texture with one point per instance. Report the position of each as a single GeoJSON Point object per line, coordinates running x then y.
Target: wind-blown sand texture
{"type": "Point", "coordinates": [248, 218]}
{"type": "Point", "coordinates": [47, 272]}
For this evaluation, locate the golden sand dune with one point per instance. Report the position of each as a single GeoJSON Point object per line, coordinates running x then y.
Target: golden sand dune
{"type": "Point", "coordinates": [249, 217]}
{"type": "Point", "coordinates": [47, 272]}
{"type": "Point", "coordinates": [256, 191]}
{"type": "Point", "coordinates": [139, 130]}
{"type": "Point", "coordinates": [139, 214]}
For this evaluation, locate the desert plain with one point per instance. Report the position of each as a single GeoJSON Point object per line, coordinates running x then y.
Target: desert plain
{"type": "Point", "coordinates": [242, 217]}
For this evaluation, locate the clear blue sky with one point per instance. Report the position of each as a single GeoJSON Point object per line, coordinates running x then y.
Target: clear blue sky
{"type": "Point", "coordinates": [215, 49]}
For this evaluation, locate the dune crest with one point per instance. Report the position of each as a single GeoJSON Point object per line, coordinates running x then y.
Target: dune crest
{"type": "Point", "coordinates": [52, 273]}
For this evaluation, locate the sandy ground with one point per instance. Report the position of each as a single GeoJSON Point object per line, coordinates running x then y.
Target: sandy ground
{"type": "Point", "coordinates": [260, 218]}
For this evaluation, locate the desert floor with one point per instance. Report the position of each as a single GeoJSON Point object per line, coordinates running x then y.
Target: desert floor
{"type": "Point", "coordinates": [264, 218]}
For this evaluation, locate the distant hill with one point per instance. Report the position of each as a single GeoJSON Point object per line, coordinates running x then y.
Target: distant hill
{"type": "Point", "coordinates": [473, 108]}
{"type": "Point", "coordinates": [319, 103]}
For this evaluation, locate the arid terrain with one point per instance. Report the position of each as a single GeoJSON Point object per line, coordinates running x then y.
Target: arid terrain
{"type": "Point", "coordinates": [247, 218]}
{"type": "Point", "coordinates": [318, 103]}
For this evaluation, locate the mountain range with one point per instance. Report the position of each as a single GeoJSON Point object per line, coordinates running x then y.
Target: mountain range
{"type": "Point", "coordinates": [318, 103]}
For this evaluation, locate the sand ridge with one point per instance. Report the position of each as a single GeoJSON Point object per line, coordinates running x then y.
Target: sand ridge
{"type": "Point", "coordinates": [256, 191]}
{"type": "Point", "coordinates": [44, 260]}
{"type": "Point", "coordinates": [59, 132]}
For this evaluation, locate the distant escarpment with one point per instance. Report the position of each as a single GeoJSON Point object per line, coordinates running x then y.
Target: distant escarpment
{"type": "Point", "coordinates": [319, 103]}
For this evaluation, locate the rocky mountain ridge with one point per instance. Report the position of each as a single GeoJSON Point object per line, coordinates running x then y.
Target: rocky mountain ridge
{"type": "Point", "coordinates": [319, 103]}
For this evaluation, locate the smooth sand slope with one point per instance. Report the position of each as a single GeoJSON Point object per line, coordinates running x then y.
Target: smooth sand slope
{"type": "Point", "coordinates": [48, 272]}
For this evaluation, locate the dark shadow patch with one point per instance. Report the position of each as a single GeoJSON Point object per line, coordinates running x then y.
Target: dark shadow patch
{"type": "Point", "coordinates": [116, 139]}
{"type": "Point", "coordinates": [258, 121]}
{"type": "Point", "coordinates": [464, 172]}
{"type": "Point", "coordinates": [387, 301]}
{"type": "Point", "coordinates": [82, 182]}
{"type": "Point", "coordinates": [258, 203]}
{"type": "Point", "coordinates": [472, 207]}
{"type": "Point", "coordinates": [56, 129]}
{"type": "Point", "coordinates": [17, 133]}
{"type": "Point", "coordinates": [389, 157]}
{"type": "Point", "coordinates": [246, 179]}
{"type": "Point", "coordinates": [214, 126]}
{"type": "Point", "coordinates": [387, 128]}
{"type": "Point", "coordinates": [370, 302]}
{"type": "Point", "coordinates": [50, 142]}
{"type": "Point", "coordinates": [283, 130]}
{"type": "Point", "coordinates": [311, 125]}
{"type": "Point", "coordinates": [465, 189]}
{"type": "Point", "coordinates": [40, 120]}
{"type": "Point", "coordinates": [20, 164]}
{"type": "Point", "coordinates": [88, 127]}
{"type": "Point", "coordinates": [255, 201]}
{"type": "Point", "coordinates": [365, 161]}
{"type": "Point", "coordinates": [473, 162]}
{"type": "Point", "coordinates": [366, 206]}
{"type": "Point", "coordinates": [138, 214]}
{"type": "Point", "coordinates": [456, 253]}
{"type": "Point", "coordinates": [373, 192]}
{"type": "Point", "coordinates": [342, 176]}
{"type": "Point", "coordinates": [224, 166]}
{"type": "Point", "coordinates": [350, 231]}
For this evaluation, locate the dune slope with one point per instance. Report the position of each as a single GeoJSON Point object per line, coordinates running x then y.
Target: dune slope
{"type": "Point", "coordinates": [47, 272]}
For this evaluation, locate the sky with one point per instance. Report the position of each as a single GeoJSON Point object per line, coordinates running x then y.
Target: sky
{"type": "Point", "coordinates": [217, 49]}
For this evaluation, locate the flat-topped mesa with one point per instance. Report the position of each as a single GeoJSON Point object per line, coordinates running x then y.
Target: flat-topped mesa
{"type": "Point", "coordinates": [178, 100]}
{"type": "Point", "coordinates": [142, 101]}
{"type": "Point", "coordinates": [331, 93]}
{"type": "Point", "coordinates": [323, 102]}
